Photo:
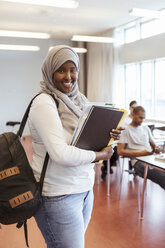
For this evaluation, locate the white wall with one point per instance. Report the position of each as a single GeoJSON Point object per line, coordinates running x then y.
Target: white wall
{"type": "Point", "coordinates": [20, 75]}
{"type": "Point", "coordinates": [145, 49]}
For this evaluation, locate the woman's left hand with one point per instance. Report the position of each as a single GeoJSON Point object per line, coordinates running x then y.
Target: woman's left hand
{"type": "Point", "coordinates": [115, 133]}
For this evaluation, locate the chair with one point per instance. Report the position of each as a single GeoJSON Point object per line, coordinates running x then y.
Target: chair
{"type": "Point", "coordinates": [131, 173]}
{"type": "Point", "coordinates": [129, 167]}
{"type": "Point", "coordinates": [129, 170]}
{"type": "Point", "coordinates": [160, 128]}
{"type": "Point", "coordinates": [12, 124]}
{"type": "Point", "coordinates": [97, 166]}
{"type": "Point", "coordinates": [151, 127]}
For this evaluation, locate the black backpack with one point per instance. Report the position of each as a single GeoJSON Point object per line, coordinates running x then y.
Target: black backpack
{"type": "Point", "coordinates": [20, 193]}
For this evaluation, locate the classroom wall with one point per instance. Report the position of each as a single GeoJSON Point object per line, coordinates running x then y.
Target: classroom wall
{"type": "Point", "coordinates": [20, 75]}
{"type": "Point", "coordinates": [144, 49]}
{"type": "Point", "coordinates": [20, 72]}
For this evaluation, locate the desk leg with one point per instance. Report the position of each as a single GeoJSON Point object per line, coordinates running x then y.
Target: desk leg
{"type": "Point", "coordinates": [139, 193]}
{"type": "Point", "coordinates": [144, 186]}
{"type": "Point", "coordinates": [108, 177]}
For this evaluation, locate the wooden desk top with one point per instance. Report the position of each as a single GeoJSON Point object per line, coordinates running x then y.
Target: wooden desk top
{"type": "Point", "coordinates": [150, 159]}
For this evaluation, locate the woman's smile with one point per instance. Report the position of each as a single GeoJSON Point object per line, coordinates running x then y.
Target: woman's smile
{"type": "Point", "coordinates": [68, 84]}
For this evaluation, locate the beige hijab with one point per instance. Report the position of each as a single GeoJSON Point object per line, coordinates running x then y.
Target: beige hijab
{"type": "Point", "coordinates": [70, 105]}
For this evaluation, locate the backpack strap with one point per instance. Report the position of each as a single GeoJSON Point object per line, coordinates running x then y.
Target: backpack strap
{"type": "Point", "coordinates": [45, 162]}
{"type": "Point", "coordinates": [43, 172]}
{"type": "Point", "coordinates": [24, 119]}
{"type": "Point", "coordinates": [26, 232]}
{"type": "Point", "coordinates": [20, 131]}
{"type": "Point", "coordinates": [24, 224]}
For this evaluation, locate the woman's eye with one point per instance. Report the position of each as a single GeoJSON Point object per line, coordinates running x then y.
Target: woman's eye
{"type": "Point", "coordinates": [65, 71]}
{"type": "Point", "coordinates": [60, 70]}
{"type": "Point", "coordinates": [73, 71]}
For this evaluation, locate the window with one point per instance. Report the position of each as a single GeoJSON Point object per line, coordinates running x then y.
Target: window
{"type": "Point", "coordinates": [146, 87]}
{"type": "Point", "coordinates": [139, 29]}
{"type": "Point", "coordinates": [119, 37]}
{"type": "Point", "coordinates": [120, 88]}
{"type": "Point", "coordinates": [151, 28]}
{"type": "Point", "coordinates": [143, 82]}
{"type": "Point", "coordinates": [159, 89]}
{"type": "Point", "coordinates": [132, 83]}
{"type": "Point", "coordinates": [130, 34]}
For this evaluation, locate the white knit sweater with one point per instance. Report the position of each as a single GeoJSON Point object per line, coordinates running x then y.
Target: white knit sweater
{"type": "Point", "coordinates": [70, 170]}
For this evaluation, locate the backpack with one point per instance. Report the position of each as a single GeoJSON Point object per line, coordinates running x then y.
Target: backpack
{"type": "Point", "coordinates": [20, 193]}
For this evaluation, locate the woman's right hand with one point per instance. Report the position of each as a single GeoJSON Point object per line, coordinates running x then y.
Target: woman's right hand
{"type": "Point", "coordinates": [104, 154]}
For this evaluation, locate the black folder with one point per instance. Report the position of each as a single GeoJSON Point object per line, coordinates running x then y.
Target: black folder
{"type": "Point", "coordinates": [95, 131]}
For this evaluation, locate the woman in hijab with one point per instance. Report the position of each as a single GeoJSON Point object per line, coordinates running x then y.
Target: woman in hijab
{"type": "Point", "coordinates": [67, 190]}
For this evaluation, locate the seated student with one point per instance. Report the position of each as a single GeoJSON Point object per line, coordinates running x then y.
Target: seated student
{"type": "Point", "coordinates": [136, 140]}
{"type": "Point", "coordinates": [128, 119]}
{"type": "Point", "coordinates": [115, 156]}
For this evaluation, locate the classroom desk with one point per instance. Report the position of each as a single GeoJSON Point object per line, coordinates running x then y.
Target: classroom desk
{"type": "Point", "coordinates": [149, 161]}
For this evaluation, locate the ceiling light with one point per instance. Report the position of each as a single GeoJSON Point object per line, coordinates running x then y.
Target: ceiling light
{"type": "Point", "coordinates": [77, 49]}
{"type": "Point", "coordinates": [50, 3]}
{"type": "Point", "coordinates": [80, 49]}
{"type": "Point", "coordinates": [6, 33]}
{"type": "Point", "coordinates": [19, 47]}
{"type": "Point", "coordinates": [92, 39]}
{"type": "Point", "coordinates": [147, 13]}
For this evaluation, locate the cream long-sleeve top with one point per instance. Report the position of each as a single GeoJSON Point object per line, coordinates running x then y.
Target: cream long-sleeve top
{"type": "Point", "coordinates": [70, 170]}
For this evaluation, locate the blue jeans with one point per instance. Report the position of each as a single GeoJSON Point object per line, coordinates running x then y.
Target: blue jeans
{"type": "Point", "coordinates": [63, 219]}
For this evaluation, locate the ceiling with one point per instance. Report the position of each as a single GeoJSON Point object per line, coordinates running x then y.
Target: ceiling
{"type": "Point", "coordinates": [91, 17]}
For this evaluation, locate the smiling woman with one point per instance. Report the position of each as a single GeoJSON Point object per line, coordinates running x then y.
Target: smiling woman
{"type": "Point", "coordinates": [68, 185]}
{"type": "Point", "coordinates": [65, 77]}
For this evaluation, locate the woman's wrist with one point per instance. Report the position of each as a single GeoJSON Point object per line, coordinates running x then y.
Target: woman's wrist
{"type": "Point", "coordinates": [104, 154]}
{"type": "Point", "coordinates": [99, 156]}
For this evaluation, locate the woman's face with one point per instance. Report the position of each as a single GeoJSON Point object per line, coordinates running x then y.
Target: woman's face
{"type": "Point", "coordinates": [65, 77]}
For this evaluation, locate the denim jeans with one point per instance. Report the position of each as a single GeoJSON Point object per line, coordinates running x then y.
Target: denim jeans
{"type": "Point", "coordinates": [63, 219]}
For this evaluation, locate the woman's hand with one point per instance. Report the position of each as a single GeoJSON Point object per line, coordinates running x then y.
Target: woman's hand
{"type": "Point", "coordinates": [104, 154]}
{"type": "Point", "coordinates": [115, 133]}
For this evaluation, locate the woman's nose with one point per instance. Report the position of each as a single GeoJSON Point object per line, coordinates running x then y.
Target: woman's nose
{"type": "Point", "coordinates": [67, 75]}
